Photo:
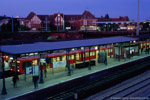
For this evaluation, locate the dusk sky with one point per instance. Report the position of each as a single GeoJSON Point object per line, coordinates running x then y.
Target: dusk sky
{"type": "Point", "coordinates": [114, 8]}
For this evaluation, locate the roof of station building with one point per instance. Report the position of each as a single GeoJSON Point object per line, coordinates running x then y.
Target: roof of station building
{"type": "Point", "coordinates": [47, 46]}
{"type": "Point", "coordinates": [145, 36]}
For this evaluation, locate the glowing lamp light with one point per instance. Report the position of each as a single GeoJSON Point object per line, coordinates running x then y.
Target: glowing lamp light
{"type": "Point", "coordinates": [96, 47]}
{"type": "Point", "coordinates": [6, 57]}
{"type": "Point", "coordinates": [18, 70]}
{"type": "Point", "coordinates": [82, 48]}
{"type": "Point", "coordinates": [134, 41]}
{"type": "Point", "coordinates": [11, 58]}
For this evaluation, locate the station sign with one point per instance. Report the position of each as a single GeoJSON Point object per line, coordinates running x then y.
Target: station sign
{"type": "Point", "coordinates": [68, 28]}
{"type": "Point", "coordinates": [42, 60]}
{"type": "Point", "coordinates": [29, 70]}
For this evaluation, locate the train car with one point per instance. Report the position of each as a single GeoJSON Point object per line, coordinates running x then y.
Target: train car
{"type": "Point", "coordinates": [24, 62]}
{"type": "Point", "coordinates": [56, 60]}
{"type": "Point", "coordinates": [144, 44]}
{"type": "Point", "coordinates": [75, 56]}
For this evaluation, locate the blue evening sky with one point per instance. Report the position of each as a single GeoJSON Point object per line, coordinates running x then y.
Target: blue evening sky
{"type": "Point", "coordinates": [114, 8]}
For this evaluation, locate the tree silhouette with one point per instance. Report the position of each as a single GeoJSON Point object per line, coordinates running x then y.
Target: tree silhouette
{"type": "Point", "coordinates": [8, 27]}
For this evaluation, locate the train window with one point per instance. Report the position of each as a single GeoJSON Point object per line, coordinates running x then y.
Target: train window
{"type": "Point", "coordinates": [23, 65]}
{"type": "Point", "coordinates": [63, 58]}
{"type": "Point", "coordinates": [14, 64]}
{"type": "Point", "coordinates": [111, 50]}
{"type": "Point", "coordinates": [92, 53]}
{"type": "Point", "coordinates": [106, 50]}
{"type": "Point", "coordinates": [80, 55]}
{"type": "Point", "coordinates": [71, 57]}
{"type": "Point", "coordinates": [147, 43]}
{"type": "Point", "coordinates": [87, 54]}
{"type": "Point", "coordinates": [34, 62]}
{"type": "Point", "coordinates": [54, 60]}
{"type": "Point", "coordinates": [18, 61]}
{"type": "Point", "coordinates": [26, 64]}
{"type": "Point", "coordinates": [58, 58]}
{"type": "Point", "coordinates": [77, 56]}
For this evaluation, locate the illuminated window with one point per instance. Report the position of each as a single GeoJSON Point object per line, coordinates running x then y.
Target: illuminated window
{"type": "Point", "coordinates": [87, 54]}
{"type": "Point", "coordinates": [58, 58]}
{"type": "Point", "coordinates": [77, 56]}
{"type": "Point", "coordinates": [34, 62]}
{"type": "Point", "coordinates": [54, 60]}
{"type": "Point", "coordinates": [63, 58]}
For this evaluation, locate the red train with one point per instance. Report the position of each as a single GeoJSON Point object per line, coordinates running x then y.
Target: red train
{"type": "Point", "coordinates": [74, 57]}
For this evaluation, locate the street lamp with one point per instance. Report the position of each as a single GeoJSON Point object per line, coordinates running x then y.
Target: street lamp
{"type": "Point", "coordinates": [137, 29]}
{"type": "Point", "coordinates": [4, 92]}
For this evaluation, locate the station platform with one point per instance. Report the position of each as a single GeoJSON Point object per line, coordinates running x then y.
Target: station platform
{"type": "Point", "coordinates": [58, 76]}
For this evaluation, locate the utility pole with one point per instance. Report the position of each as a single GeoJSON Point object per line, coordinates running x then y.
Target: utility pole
{"type": "Point", "coordinates": [20, 23]}
{"type": "Point", "coordinates": [4, 92]}
{"type": "Point", "coordinates": [46, 23]}
{"type": "Point", "coordinates": [63, 23]}
{"type": "Point", "coordinates": [137, 29]}
{"type": "Point", "coordinates": [12, 25]}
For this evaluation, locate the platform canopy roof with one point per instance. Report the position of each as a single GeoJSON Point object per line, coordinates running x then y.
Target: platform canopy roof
{"type": "Point", "coordinates": [47, 46]}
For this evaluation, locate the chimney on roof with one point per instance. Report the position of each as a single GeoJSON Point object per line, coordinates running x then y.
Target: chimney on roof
{"type": "Point", "coordinates": [107, 16]}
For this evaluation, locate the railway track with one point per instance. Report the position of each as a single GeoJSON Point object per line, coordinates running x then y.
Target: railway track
{"type": "Point", "coordinates": [126, 91]}
{"type": "Point", "coordinates": [91, 88]}
{"type": "Point", "coordinates": [129, 89]}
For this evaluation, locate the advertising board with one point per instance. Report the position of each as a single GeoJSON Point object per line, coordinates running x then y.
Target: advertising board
{"type": "Point", "coordinates": [59, 64]}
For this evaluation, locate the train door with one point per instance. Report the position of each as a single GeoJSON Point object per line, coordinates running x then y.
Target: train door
{"type": "Point", "coordinates": [27, 67]}
{"type": "Point", "coordinates": [77, 57]}
{"type": "Point", "coordinates": [13, 66]}
{"type": "Point", "coordinates": [72, 59]}
{"type": "Point", "coordinates": [80, 57]}
{"type": "Point", "coordinates": [93, 54]}
{"type": "Point", "coordinates": [111, 52]}
{"type": "Point", "coordinates": [86, 57]}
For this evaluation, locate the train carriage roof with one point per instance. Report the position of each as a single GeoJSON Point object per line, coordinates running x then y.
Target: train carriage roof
{"type": "Point", "coordinates": [47, 46]}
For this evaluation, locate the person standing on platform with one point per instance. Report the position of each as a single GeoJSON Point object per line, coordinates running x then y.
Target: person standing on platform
{"type": "Point", "coordinates": [147, 50]}
{"type": "Point", "coordinates": [141, 50]}
{"type": "Point", "coordinates": [132, 53]}
{"type": "Point", "coordinates": [35, 79]}
{"type": "Point", "coordinates": [45, 71]}
{"type": "Point", "coordinates": [14, 79]}
{"type": "Point", "coordinates": [125, 56]}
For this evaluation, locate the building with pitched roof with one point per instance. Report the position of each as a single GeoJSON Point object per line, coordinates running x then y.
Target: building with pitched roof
{"type": "Point", "coordinates": [76, 22]}
{"type": "Point", "coordinates": [86, 21]}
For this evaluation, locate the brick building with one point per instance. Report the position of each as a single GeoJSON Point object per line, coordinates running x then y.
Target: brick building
{"type": "Point", "coordinates": [59, 21]}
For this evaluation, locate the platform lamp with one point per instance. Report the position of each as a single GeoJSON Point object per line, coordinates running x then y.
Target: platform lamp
{"type": "Point", "coordinates": [137, 29]}
{"type": "Point", "coordinates": [4, 92]}
{"type": "Point", "coordinates": [41, 74]}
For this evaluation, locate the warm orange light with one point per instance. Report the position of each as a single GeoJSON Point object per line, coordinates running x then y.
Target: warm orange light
{"type": "Point", "coordinates": [6, 58]}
